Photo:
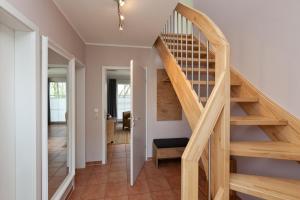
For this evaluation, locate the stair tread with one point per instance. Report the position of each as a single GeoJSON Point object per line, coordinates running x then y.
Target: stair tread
{"type": "Point", "coordinates": [196, 69]}
{"type": "Point", "coordinates": [266, 187]}
{"type": "Point", "coordinates": [256, 120]}
{"type": "Point", "coordinates": [243, 99]}
{"type": "Point", "coordinates": [188, 44]}
{"type": "Point", "coordinates": [266, 149]}
{"type": "Point", "coordinates": [239, 99]}
{"type": "Point", "coordinates": [176, 34]}
{"type": "Point", "coordinates": [195, 59]}
{"type": "Point", "coordinates": [203, 82]}
{"type": "Point", "coordinates": [179, 38]}
{"type": "Point", "coordinates": [189, 51]}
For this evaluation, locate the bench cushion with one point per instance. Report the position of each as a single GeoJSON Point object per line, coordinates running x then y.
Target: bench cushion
{"type": "Point", "coordinates": [171, 142]}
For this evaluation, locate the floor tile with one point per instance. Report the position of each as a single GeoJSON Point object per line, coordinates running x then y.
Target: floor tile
{"type": "Point", "coordinates": [93, 192]}
{"type": "Point", "coordinates": [119, 176]}
{"type": "Point", "coordinates": [163, 195]}
{"type": "Point", "coordinates": [140, 197]}
{"type": "Point", "coordinates": [116, 189]}
{"type": "Point", "coordinates": [158, 184]}
{"type": "Point", "coordinates": [139, 187]}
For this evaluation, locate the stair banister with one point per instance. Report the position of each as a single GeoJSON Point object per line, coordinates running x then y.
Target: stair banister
{"type": "Point", "coordinates": [209, 119]}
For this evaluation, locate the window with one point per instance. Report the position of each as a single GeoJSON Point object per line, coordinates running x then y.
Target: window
{"type": "Point", "coordinates": [123, 99]}
{"type": "Point", "coordinates": [58, 101]}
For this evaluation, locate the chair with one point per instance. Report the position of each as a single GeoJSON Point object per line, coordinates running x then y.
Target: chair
{"type": "Point", "coordinates": [126, 120]}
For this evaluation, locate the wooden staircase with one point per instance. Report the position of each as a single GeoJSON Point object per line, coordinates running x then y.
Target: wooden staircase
{"type": "Point", "coordinates": [181, 57]}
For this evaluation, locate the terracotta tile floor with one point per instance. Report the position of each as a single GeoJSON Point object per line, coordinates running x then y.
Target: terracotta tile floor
{"type": "Point", "coordinates": [111, 181]}
{"type": "Point", "coordinates": [57, 157]}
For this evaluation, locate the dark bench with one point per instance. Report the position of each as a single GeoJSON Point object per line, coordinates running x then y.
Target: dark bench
{"type": "Point", "coordinates": [168, 148]}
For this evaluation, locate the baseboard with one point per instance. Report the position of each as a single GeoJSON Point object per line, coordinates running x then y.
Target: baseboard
{"type": "Point", "coordinates": [92, 163]}
{"type": "Point", "coordinates": [69, 191]}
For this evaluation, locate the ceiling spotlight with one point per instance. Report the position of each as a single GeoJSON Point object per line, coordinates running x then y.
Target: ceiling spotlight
{"type": "Point", "coordinates": [121, 2]}
{"type": "Point", "coordinates": [122, 17]}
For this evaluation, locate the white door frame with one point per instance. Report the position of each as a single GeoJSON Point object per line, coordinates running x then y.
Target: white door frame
{"type": "Point", "coordinates": [46, 43]}
{"type": "Point", "coordinates": [102, 125]}
{"type": "Point", "coordinates": [27, 72]}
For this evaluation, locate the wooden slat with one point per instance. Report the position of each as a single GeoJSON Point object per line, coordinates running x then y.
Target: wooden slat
{"type": "Point", "coordinates": [266, 187]}
{"type": "Point", "coordinates": [196, 69]}
{"type": "Point", "coordinates": [244, 99]}
{"type": "Point", "coordinates": [266, 149]}
{"type": "Point", "coordinates": [256, 120]}
{"type": "Point", "coordinates": [237, 99]}
{"type": "Point", "coordinates": [197, 82]}
{"type": "Point", "coordinates": [175, 35]}
{"type": "Point", "coordinates": [195, 60]}
{"type": "Point", "coordinates": [189, 51]}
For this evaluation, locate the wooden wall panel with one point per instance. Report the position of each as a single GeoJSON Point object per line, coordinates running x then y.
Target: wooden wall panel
{"type": "Point", "coordinates": [168, 105]}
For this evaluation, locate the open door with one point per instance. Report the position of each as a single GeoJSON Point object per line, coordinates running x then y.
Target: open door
{"type": "Point", "coordinates": [138, 121]}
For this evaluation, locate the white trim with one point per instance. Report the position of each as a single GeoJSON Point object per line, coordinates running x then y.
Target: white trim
{"type": "Point", "coordinates": [69, 21]}
{"type": "Point", "coordinates": [71, 127]}
{"type": "Point", "coordinates": [78, 62]}
{"type": "Point", "coordinates": [131, 124]}
{"type": "Point", "coordinates": [146, 111]}
{"type": "Point", "coordinates": [68, 180]}
{"type": "Point", "coordinates": [117, 45]}
{"type": "Point", "coordinates": [44, 105]}
{"type": "Point", "coordinates": [31, 27]}
{"type": "Point", "coordinates": [18, 15]}
{"type": "Point", "coordinates": [57, 66]}
{"type": "Point", "coordinates": [102, 125]}
{"type": "Point", "coordinates": [60, 50]}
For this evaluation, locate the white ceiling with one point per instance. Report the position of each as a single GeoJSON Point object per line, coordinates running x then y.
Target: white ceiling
{"type": "Point", "coordinates": [96, 21]}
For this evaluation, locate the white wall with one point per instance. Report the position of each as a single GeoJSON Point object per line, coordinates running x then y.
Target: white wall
{"type": "Point", "coordinates": [265, 45]}
{"type": "Point", "coordinates": [120, 56]}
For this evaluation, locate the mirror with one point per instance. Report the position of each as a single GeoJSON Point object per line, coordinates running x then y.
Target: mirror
{"type": "Point", "coordinates": [58, 126]}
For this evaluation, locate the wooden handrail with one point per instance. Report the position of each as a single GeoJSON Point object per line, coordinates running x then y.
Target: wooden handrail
{"type": "Point", "coordinates": [215, 117]}
{"type": "Point", "coordinates": [211, 121]}
{"type": "Point", "coordinates": [203, 23]}
{"type": "Point", "coordinates": [206, 123]}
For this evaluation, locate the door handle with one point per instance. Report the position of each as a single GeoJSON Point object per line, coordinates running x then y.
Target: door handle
{"type": "Point", "coordinates": [133, 120]}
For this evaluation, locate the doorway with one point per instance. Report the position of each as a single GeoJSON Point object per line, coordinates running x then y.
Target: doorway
{"type": "Point", "coordinates": [116, 106]}
{"type": "Point", "coordinates": [124, 118]}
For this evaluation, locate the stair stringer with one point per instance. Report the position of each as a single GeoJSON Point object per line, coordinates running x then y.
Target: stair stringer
{"type": "Point", "coordinates": [266, 107]}
{"type": "Point", "coordinates": [184, 91]}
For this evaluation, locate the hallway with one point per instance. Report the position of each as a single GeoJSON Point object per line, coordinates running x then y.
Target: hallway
{"type": "Point", "coordinates": [110, 181]}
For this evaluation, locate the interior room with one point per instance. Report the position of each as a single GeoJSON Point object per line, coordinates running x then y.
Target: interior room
{"type": "Point", "coordinates": [118, 106]}
{"type": "Point", "coordinates": [149, 100]}
{"type": "Point", "coordinates": [58, 166]}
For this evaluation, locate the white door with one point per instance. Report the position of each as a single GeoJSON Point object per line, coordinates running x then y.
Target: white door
{"type": "Point", "coordinates": [138, 121]}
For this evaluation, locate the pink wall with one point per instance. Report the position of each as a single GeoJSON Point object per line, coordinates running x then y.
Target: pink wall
{"type": "Point", "coordinates": [52, 23]}
{"type": "Point", "coordinates": [96, 57]}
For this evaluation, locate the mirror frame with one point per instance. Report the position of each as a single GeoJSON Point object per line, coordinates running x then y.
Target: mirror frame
{"type": "Point", "coordinates": [48, 44]}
